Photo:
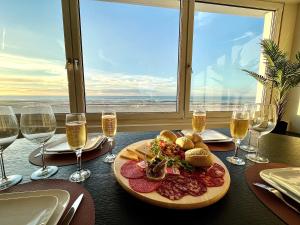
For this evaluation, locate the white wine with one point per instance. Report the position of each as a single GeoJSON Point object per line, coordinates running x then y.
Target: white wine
{"type": "Point", "coordinates": [198, 122]}
{"type": "Point", "coordinates": [76, 134]}
{"type": "Point", "coordinates": [109, 125]}
{"type": "Point", "coordinates": [239, 128]}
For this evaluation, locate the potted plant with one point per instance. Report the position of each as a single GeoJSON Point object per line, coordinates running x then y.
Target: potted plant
{"type": "Point", "coordinates": [280, 76]}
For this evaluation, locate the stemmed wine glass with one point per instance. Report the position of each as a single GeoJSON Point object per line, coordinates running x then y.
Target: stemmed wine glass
{"type": "Point", "coordinates": [248, 147]}
{"type": "Point", "coordinates": [38, 125]}
{"type": "Point", "coordinates": [9, 131]}
{"type": "Point", "coordinates": [109, 127]}
{"type": "Point", "coordinates": [199, 119]}
{"type": "Point", "coordinates": [76, 136]}
{"type": "Point", "coordinates": [238, 128]}
{"type": "Point", "coordinates": [264, 121]}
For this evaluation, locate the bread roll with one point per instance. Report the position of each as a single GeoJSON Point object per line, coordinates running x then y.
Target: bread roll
{"type": "Point", "coordinates": [194, 137]}
{"type": "Point", "coordinates": [169, 135]}
{"type": "Point", "coordinates": [198, 157]}
{"type": "Point", "coordinates": [200, 144]}
{"type": "Point", "coordinates": [184, 143]}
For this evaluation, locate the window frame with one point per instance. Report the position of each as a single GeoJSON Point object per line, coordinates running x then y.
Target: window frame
{"type": "Point", "coordinates": [134, 121]}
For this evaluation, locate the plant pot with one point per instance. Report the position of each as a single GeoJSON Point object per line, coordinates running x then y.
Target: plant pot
{"type": "Point", "coordinates": [280, 127]}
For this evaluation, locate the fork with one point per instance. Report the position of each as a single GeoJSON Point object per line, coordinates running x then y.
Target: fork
{"type": "Point", "coordinates": [276, 193]}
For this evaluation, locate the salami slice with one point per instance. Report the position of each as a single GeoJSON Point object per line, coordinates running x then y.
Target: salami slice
{"type": "Point", "coordinates": [213, 181]}
{"type": "Point", "coordinates": [131, 170]}
{"type": "Point", "coordinates": [143, 185]}
{"type": "Point", "coordinates": [216, 171]}
{"type": "Point", "coordinates": [168, 190]}
{"type": "Point", "coordinates": [196, 188]}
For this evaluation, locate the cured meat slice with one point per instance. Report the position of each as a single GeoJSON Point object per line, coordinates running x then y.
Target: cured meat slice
{"type": "Point", "coordinates": [213, 181]}
{"type": "Point", "coordinates": [216, 170]}
{"type": "Point", "coordinates": [143, 185]}
{"type": "Point", "coordinates": [130, 169]}
{"type": "Point", "coordinates": [168, 190]}
{"type": "Point", "coordinates": [196, 188]}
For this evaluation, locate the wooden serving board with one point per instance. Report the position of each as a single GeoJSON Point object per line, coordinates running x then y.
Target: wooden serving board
{"type": "Point", "coordinates": [212, 195]}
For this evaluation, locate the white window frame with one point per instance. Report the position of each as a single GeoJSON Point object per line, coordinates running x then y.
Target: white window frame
{"type": "Point", "coordinates": [132, 121]}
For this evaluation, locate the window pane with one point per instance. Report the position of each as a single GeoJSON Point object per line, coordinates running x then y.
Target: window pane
{"type": "Point", "coordinates": [223, 45]}
{"type": "Point", "coordinates": [130, 55]}
{"type": "Point", "coordinates": [32, 54]}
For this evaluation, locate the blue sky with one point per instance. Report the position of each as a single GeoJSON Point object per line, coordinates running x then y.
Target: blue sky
{"type": "Point", "coordinates": [128, 50]}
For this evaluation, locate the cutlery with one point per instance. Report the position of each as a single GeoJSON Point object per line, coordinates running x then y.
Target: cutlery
{"type": "Point", "coordinates": [70, 214]}
{"type": "Point", "coordinates": [276, 193]}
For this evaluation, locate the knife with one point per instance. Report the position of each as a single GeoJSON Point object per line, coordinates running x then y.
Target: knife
{"type": "Point", "coordinates": [70, 214]}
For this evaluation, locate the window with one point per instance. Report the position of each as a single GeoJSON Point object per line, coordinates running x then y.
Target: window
{"type": "Point", "coordinates": [152, 61]}
{"type": "Point", "coordinates": [32, 54]}
{"type": "Point", "coordinates": [223, 45]}
{"type": "Point", "coordinates": [130, 56]}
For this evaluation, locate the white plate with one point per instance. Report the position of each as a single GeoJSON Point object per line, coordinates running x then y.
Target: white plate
{"type": "Point", "coordinates": [61, 145]}
{"type": "Point", "coordinates": [211, 136]}
{"type": "Point", "coordinates": [62, 196]}
{"type": "Point", "coordinates": [266, 176]}
{"type": "Point", "coordinates": [35, 210]}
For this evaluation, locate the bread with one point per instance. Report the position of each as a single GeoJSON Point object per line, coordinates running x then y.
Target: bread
{"type": "Point", "coordinates": [129, 155]}
{"type": "Point", "coordinates": [184, 143]}
{"type": "Point", "coordinates": [169, 135]}
{"type": "Point", "coordinates": [194, 137]}
{"type": "Point", "coordinates": [200, 144]}
{"type": "Point", "coordinates": [198, 157]}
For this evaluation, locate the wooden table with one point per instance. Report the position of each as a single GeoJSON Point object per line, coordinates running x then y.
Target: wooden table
{"type": "Point", "coordinates": [115, 206]}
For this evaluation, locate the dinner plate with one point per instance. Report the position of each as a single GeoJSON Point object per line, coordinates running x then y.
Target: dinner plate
{"type": "Point", "coordinates": [61, 146]}
{"type": "Point", "coordinates": [62, 196]}
{"type": "Point", "coordinates": [31, 210]}
{"type": "Point", "coordinates": [266, 175]}
{"type": "Point", "coordinates": [211, 136]}
{"type": "Point", "coordinates": [212, 195]}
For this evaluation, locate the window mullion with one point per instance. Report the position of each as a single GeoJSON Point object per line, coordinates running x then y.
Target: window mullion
{"type": "Point", "coordinates": [77, 65]}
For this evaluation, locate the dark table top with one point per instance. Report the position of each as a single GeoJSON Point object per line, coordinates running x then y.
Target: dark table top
{"type": "Point", "coordinates": [115, 206]}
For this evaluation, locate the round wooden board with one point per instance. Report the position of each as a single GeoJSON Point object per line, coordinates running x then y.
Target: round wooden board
{"type": "Point", "coordinates": [212, 195]}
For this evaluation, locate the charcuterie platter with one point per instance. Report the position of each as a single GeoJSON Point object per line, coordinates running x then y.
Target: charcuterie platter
{"type": "Point", "coordinates": [178, 183]}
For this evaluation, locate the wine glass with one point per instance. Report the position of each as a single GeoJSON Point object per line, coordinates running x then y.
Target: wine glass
{"type": "Point", "coordinates": [9, 131]}
{"type": "Point", "coordinates": [238, 128]}
{"type": "Point", "coordinates": [76, 135]}
{"type": "Point", "coordinates": [264, 122]}
{"type": "Point", "coordinates": [109, 127]}
{"type": "Point", "coordinates": [199, 119]}
{"type": "Point", "coordinates": [248, 147]}
{"type": "Point", "coordinates": [38, 125]}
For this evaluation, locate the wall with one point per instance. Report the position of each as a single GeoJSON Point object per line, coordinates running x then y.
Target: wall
{"type": "Point", "coordinates": [293, 108]}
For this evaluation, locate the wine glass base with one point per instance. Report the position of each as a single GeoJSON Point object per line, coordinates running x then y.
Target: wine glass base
{"type": "Point", "coordinates": [80, 176]}
{"type": "Point", "coordinates": [110, 158]}
{"type": "Point", "coordinates": [257, 159]}
{"type": "Point", "coordinates": [44, 173]}
{"type": "Point", "coordinates": [248, 148]}
{"type": "Point", "coordinates": [235, 160]}
{"type": "Point", "coordinates": [10, 181]}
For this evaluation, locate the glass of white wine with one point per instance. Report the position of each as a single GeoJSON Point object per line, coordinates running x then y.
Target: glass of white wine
{"type": "Point", "coordinates": [76, 132]}
{"type": "Point", "coordinates": [199, 119]}
{"type": "Point", "coordinates": [264, 121]}
{"type": "Point", "coordinates": [109, 128]}
{"type": "Point", "coordinates": [38, 125]}
{"type": "Point", "coordinates": [9, 131]}
{"type": "Point", "coordinates": [248, 147]}
{"type": "Point", "coordinates": [239, 124]}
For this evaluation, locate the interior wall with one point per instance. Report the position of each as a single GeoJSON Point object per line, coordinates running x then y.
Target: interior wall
{"type": "Point", "coordinates": [293, 107]}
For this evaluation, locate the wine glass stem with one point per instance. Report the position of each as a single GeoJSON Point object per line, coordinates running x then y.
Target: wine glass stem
{"type": "Point", "coordinates": [250, 135]}
{"type": "Point", "coordinates": [78, 155]}
{"type": "Point", "coordinates": [43, 156]}
{"type": "Point", "coordinates": [2, 165]}
{"type": "Point", "coordinates": [110, 145]}
{"type": "Point", "coordinates": [257, 145]}
{"type": "Point", "coordinates": [237, 145]}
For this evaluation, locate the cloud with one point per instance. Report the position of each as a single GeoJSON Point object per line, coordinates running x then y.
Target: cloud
{"type": "Point", "coordinates": [104, 58]}
{"type": "Point", "coordinates": [3, 39]}
{"type": "Point", "coordinates": [202, 19]}
{"type": "Point", "coordinates": [245, 35]}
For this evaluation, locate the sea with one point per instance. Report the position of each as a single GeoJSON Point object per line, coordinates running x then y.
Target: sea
{"type": "Point", "coordinates": [129, 103]}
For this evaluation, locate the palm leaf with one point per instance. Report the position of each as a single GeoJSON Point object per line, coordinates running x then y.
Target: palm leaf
{"type": "Point", "coordinates": [263, 80]}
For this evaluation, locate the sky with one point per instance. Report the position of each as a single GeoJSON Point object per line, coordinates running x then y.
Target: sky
{"type": "Point", "coordinates": [128, 50]}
